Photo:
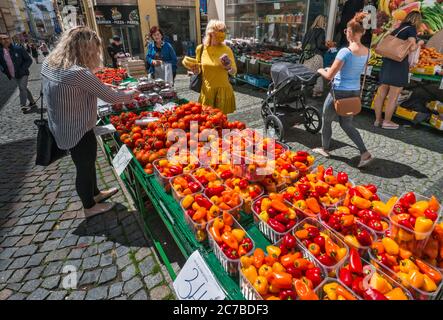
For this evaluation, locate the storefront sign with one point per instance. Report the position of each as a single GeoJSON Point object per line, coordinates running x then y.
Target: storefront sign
{"type": "Point", "coordinates": [196, 282]}
{"type": "Point", "coordinates": [122, 159]}
{"type": "Point", "coordinates": [117, 15]}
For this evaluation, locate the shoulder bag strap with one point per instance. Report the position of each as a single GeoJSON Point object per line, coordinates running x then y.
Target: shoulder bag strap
{"type": "Point", "coordinates": [41, 102]}
{"type": "Point", "coordinates": [364, 77]}
{"type": "Point", "coordinates": [402, 30]}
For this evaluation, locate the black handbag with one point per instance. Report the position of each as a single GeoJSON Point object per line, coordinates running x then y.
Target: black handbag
{"type": "Point", "coordinates": [195, 83]}
{"type": "Point", "coordinates": [47, 149]}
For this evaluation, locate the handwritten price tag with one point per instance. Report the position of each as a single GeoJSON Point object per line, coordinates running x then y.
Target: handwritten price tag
{"type": "Point", "coordinates": [196, 282]}
{"type": "Point", "coordinates": [102, 130]}
{"type": "Point", "coordinates": [276, 5]}
{"type": "Point", "coordinates": [243, 59]}
{"type": "Point", "coordinates": [253, 61]}
{"type": "Point", "coordinates": [122, 159]}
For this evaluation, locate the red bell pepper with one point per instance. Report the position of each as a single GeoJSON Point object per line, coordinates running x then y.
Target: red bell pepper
{"type": "Point", "coordinates": [299, 159]}
{"type": "Point", "coordinates": [243, 184]}
{"type": "Point", "coordinates": [326, 260]}
{"type": "Point", "coordinates": [345, 276]}
{"type": "Point", "coordinates": [295, 272]}
{"type": "Point", "coordinates": [363, 237]}
{"type": "Point", "coordinates": [287, 295]}
{"type": "Point", "coordinates": [375, 225]}
{"type": "Point", "coordinates": [290, 224]}
{"type": "Point", "coordinates": [373, 294]}
{"type": "Point", "coordinates": [277, 226]}
{"type": "Point", "coordinates": [214, 191]}
{"type": "Point", "coordinates": [342, 177]}
{"type": "Point", "coordinates": [320, 241]}
{"type": "Point", "coordinates": [302, 154]}
{"type": "Point", "coordinates": [329, 171]}
{"type": "Point", "coordinates": [321, 190]}
{"type": "Point", "coordinates": [315, 275]}
{"type": "Point", "coordinates": [398, 209]}
{"type": "Point", "coordinates": [203, 202]}
{"type": "Point", "coordinates": [355, 264]}
{"type": "Point", "coordinates": [193, 186]}
{"type": "Point", "coordinates": [282, 218]}
{"type": "Point", "coordinates": [357, 286]}
{"type": "Point", "coordinates": [247, 244]}
{"type": "Point", "coordinates": [408, 199]}
{"type": "Point", "coordinates": [313, 232]}
{"type": "Point", "coordinates": [289, 241]}
{"type": "Point", "coordinates": [175, 170]}
{"type": "Point", "coordinates": [304, 188]}
{"type": "Point", "coordinates": [226, 174]}
{"type": "Point", "coordinates": [431, 214]}
{"type": "Point", "coordinates": [371, 188]}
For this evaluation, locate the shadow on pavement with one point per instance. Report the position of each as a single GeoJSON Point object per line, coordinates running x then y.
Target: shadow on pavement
{"type": "Point", "coordinates": [7, 88]}
{"type": "Point", "coordinates": [382, 168]}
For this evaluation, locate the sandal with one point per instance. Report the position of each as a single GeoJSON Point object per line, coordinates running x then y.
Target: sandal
{"type": "Point", "coordinates": [321, 151]}
{"type": "Point", "coordinates": [377, 124]}
{"type": "Point", "coordinates": [390, 126]}
{"type": "Point", "coordinates": [364, 163]}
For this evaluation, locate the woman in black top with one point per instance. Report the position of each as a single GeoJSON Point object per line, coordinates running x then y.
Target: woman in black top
{"type": "Point", "coordinates": [395, 75]}
{"type": "Point", "coordinates": [34, 53]}
{"type": "Point", "coordinates": [314, 47]}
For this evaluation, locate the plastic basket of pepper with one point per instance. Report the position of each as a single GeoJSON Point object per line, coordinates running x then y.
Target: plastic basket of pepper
{"type": "Point", "coordinates": [229, 241]}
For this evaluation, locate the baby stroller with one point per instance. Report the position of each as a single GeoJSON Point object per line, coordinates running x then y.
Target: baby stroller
{"type": "Point", "coordinates": [287, 92]}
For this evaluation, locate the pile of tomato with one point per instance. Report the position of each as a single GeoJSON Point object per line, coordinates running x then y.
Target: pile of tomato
{"type": "Point", "coordinates": [111, 75]}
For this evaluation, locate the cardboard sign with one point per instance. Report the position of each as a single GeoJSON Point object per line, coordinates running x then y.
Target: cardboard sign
{"type": "Point", "coordinates": [196, 282]}
{"type": "Point", "coordinates": [122, 159]}
{"type": "Point", "coordinates": [102, 130]}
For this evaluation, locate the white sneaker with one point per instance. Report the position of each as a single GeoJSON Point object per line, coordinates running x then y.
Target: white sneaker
{"type": "Point", "coordinates": [106, 194]}
{"type": "Point", "coordinates": [99, 208]}
{"type": "Point", "coordinates": [321, 151]}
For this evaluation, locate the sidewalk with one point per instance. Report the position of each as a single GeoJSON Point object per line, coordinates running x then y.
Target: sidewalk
{"type": "Point", "coordinates": [42, 229]}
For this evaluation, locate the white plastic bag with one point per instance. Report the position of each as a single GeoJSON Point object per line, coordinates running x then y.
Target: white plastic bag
{"type": "Point", "coordinates": [164, 71]}
{"type": "Point", "coordinates": [414, 57]}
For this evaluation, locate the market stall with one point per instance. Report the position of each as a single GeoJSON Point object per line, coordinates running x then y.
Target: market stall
{"type": "Point", "coordinates": [420, 101]}
{"type": "Point", "coordinates": [292, 231]}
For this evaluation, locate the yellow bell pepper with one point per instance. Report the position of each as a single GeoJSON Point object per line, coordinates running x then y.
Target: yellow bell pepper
{"type": "Point", "coordinates": [261, 285]}
{"type": "Point", "coordinates": [380, 208]}
{"type": "Point", "coordinates": [291, 190]}
{"type": "Point", "coordinates": [416, 278]}
{"type": "Point", "coordinates": [273, 251]}
{"type": "Point", "coordinates": [265, 270]}
{"type": "Point", "coordinates": [278, 267]}
{"type": "Point", "coordinates": [301, 205]}
{"type": "Point", "coordinates": [404, 278]}
{"type": "Point", "coordinates": [396, 294]}
{"type": "Point", "coordinates": [264, 216]}
{"type": "Point", "coordinates": [330, 290]}
{"type": "Point", "coordinates": [391, 202]}
{"type": "Point", "coordinates": [352, 241]}
{"type": "Point", "coordinates": [311, 177]}
{"type": "Point", "coordinates": [344, 210]}
{"type": "Point", "coordinates": [418, 208]}
{"type": "Point", "coordinates": [310, 160]}
{"type": "Point", "coordinates": [341, 253]}
{"type": "Point", "coordinates": [246, 261]}
{"type": "Point", "coordinates": [265, 204]}
{"type": "Point", "coordinates": [238, 234]}
{"type": "Point", "coordinates": [250, 273]}
{"type": "Point", "coordinates": [379, 283]}
{"type": "Point", "coordinates": [405, 235]}
{"type": "Point", "coordinates": [390, 245]}
{"type": "Point", "coordinates": [187, 201]}
{"type": "Point", "coordinates": [341, 298]}
{"type": "Point", "coordinates": [360, 202]}
{"type": "Point", "coordinates": [291, 214]}
{"type": "Point", "coordinates": [422, 227]}
{"type": "Point", "coordinates": [407, 265]}
{"type": "Point", "coordinates": [429, 284]}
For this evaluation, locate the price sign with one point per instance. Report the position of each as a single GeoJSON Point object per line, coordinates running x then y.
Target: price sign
{"type": "Point", "coordinates": [276, 5]}
{"type": "Point", "coordinates": [253, 61]}
{"type": "Point", "coordinates": [102, 130]}
{"type": "Point", "coordinates": [441, 84]}
{"type": "Point", "coordinates": [122, 159]}
{"type": "Point", "coordinates": [243, 59]}
{"type": "Point", "coordinates": [196, 282]}
{"type": "Point", "coordinates": [415, 78]}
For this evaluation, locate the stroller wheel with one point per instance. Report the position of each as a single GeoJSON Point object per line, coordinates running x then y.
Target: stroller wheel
{"type": "Point", "coordinates": [313, 121]}
{"type": "Point", "coordinates": [274, 127]}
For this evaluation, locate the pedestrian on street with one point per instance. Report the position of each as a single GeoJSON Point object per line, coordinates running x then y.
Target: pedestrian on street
{"type": "Point", "coordinates": [216, 62]}
{"type": "Point", "coordinates": [345, 73]}
{"type": "Point", "coordinates": [15, 63]}
{"type": "Point", "coordinates": [70, 90]}
{"type": "Point", "coordinates": [395, 75]}
{"type": "Point", "coordinates": [34, 52]}
{"type": "Point", "coordinates": [314, 48]}
{"type": "Point", "coordinates": [115, 50]}
{"type": "Point", "coordinates": [44, 49]}
{"type": "Point", "coordinates": [160, 52]}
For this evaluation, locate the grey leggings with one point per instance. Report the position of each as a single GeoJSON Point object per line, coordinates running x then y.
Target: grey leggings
{"type": "Point", "coordinates": [329, 115]}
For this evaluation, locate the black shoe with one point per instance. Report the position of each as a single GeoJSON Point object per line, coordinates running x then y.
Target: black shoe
{"type": "Point", "coordinates": [30, 109]}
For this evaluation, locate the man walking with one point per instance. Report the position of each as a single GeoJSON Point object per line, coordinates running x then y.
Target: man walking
{"type": "Point", "coordinates": [15, 63]}
{"type": "Point", "coordinates": [115, 49]}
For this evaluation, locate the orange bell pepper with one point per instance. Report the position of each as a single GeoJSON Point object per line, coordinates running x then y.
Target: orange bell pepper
{"type": "Point", "coordinates": [331, 248]}
{"type": "Point", "coordinates": [199, 214]}
{"type": "Point", "coordinates": [347, 200]}
{"type": "Point", "coordinates": [304, 292]}
{"type": "Point", "coordinates": [341, 291]}
{"type": "Point", "coordinates": [259, 257]}
{"type": "Point", "coordinates": [288, 259]}
{"type": "Point", "coordinates": [261, 285]}
{"type": "Point", "coordinates": [313, 205]}
{"type": "Point", "coordinates": [279, 205]}
{"type": "Point", "coordinates": [227, 219]}
{"type": "Point", "coordinates": [331, 180]}
{"type": "Point", "coordinates": [320, 173]}
{"type": "Point", "coordinates": [215, 233]}
{"type": "Point", "coordinates": [418, 208]}
{"type": "Point", "coordinates": [302, 234]}
{"type": "Point", "coordinates": [430, 272]}
{"type": "Point", "coordinates": [250, 273]}
{"type": "Point", "coordinates": [246, 261]}
{"type": "Point", "coordinates": [347, 220]}
{"type": "Point", "coordinates": [434, 204]}
{"type": "Point", "coordinates": [230, 240]}
{"type": "Point", "coordinates": [364, 192]}
{"type": "Point", "coordinates": [360, 202]}
{"type": "Point", "coordinates": [265, 271]}
{"type": "Point", "coordinates": [282, 280]}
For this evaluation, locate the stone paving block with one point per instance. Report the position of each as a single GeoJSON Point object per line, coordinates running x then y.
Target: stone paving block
{"type": "Point", "coordinates": [91, 262]}
{"type": "Point", "coordinates": [90, 277]}
{"type": "Point", "coordinates": [90, 251]}
{"type": "Point", "coordinates": [10, 241]}
{"type": "Point", "coordinates": [39, 294]}
{"type": "Point", "coordinates": [32, 229]}
{"type": "Point", "coordinates": [7, 253]}
{"type": "Point", "coordinates": [58, 234]}
{"type": "Point", "coordinates": [159, 293]}
{"type": "Point", "coordinates": [34, 273]}
{"type": "Point", "coordinates": [14, 286]}
{"type": "Point", "coordinates": [147, 266]}
{"type": "Point", "coordinates": [4, 264]}
{"type": "Point", "coordinates": [76, 295]}
{"type": "Point", "coordinates": [40, 237]}
{"type": "Point", "coordinates": [18, 296]}
{"type": "Point", "coordinates": [5, 275]}
{"type": "Point", "coordinates": [115, 290]}
{"type": "Point", "coordinates": [25, 251]}
{"type": "Point", "coordinates": [50, 245]}
{"type": "Point", "coordinates": [104, 247]}
{"type": "Point", "coordinates": [121, 251]}
{"type": "Point", "coordinates": [142, 253]}
{"type": "Point", "coordinates": [132, 286]}
{"type": "Point", "coordinates": [36, 259]}
{"type": "Point", "coordinates": [69, 241]}
{"type": "Point", "coordinates": [47, 226]}
{"type": "Point", "coordinates": [19, 263]}
{"type": "Point", "coordinates": [76, 253]}
{"type": "Point", "coordinates": [65, 224]}
{"type": "Point", "coordinates": [69, 215]}
{"type": "Point", "coordinates": [128, 273]}
{"type": "Point", "coordinates": [123, 261]}
{"type": "Point", "coordinates": [18, 276]}
{"type": "Point", "coordinates": [108, 274]}
{"type": "Point", "coordinates": [5, 294]}
{"type": "Point", "coordinates": [140, 295]}
{"type": "Point", "coordinates": [99, 293]}
{"type": "Point", "coordinates": [18, 231]}
{"type": "Point", "coordinates": [105, 260]}
{"type": "Point", "coordinates": [57, 255]}
{"type": "Point", "coordinates": [51, 283]}
{"type": "Point", "coordinates": [25, 220]}
{"type": "Point", "coordinates": [53, 268]}
{"type": "Point", "coordinates": [74, 263]}
{"type": "Point", "coordinates": [153, 280]}
{"type": "Point", "coordinates": [57, 295]}
{"type": "Point", "coordinates": [31, 286]}
{"type": "Point", "coordinates": [25, 241]}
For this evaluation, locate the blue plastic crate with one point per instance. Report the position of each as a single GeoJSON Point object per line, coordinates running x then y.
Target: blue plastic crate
{"type": "Point", "coordinates": [257, 81]}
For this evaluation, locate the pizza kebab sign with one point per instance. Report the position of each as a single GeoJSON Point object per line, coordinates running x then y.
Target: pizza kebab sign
{"type": "Point", "coordinates": [117, 15]}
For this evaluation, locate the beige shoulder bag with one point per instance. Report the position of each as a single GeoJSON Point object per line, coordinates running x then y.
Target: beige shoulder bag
{"type": "Point", "coordinates": [393, 48]}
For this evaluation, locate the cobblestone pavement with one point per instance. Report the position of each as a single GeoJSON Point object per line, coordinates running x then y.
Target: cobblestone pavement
{"type": "Point", "coordinates": [43, 230]}
{"type": "Point", "coordinates": [408, 159]}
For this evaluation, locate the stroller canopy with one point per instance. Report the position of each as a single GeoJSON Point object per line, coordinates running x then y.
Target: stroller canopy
{"type": "Point", "coordinates": [280, 72]}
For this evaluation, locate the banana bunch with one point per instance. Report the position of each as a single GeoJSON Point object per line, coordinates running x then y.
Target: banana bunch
{"type": "Point", "coordinates": [384, 6]}
{"type": "Point", "coordinates": [375, 59]}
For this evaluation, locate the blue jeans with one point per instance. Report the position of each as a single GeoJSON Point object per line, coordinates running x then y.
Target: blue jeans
{"type": "Point", "coordinates": [329, 115]}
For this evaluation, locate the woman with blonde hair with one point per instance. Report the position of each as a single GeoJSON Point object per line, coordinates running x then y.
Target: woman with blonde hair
{"type": "Point", "coordinates": [395, 75]}
{"type": "Point", "coordinates": [70, 90]}
{"type": "Point", "coordinates": [216, 62]}
{"type": "Point", "coordinates": [314, 47]}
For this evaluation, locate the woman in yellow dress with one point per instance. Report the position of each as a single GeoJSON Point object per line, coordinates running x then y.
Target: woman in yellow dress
{"type": "Point", "coordinates": [216, 64]}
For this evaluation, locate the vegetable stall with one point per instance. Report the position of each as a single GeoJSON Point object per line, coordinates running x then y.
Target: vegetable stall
{"type": "Point", "coordinates": [295, 231]}
{"type": "Point", "coordinates": [420, 102]}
